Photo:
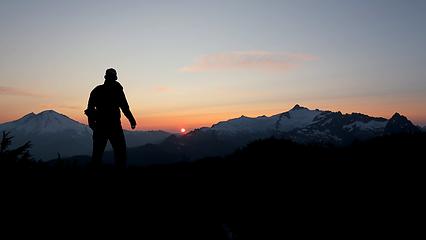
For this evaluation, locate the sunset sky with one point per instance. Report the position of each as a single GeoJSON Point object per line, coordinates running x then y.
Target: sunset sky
{"type": "Point", "coordinates": [188, 64]}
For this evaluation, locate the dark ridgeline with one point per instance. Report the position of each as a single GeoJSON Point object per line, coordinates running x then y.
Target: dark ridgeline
{"type": "Point", "coordinates": [103, 112]}
{"type": "Point", "coordinates": [388, 159]}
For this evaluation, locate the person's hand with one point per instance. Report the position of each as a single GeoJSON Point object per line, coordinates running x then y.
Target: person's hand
{"type": "Point", "coordinates": [132, 123]}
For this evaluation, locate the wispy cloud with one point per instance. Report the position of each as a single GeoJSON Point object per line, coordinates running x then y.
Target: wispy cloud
{"type": "Point", "coordinates": [249, 60]}
{"type": "Point", "coordinates": [163, 89]}
{"type": "Point", "coordinates": [19, 92]}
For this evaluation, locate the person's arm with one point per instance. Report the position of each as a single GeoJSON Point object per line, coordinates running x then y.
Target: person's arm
{"type": "Point", "coordinates": [126, 109]}
{"type": "Point", "coordinates": [91, 111]}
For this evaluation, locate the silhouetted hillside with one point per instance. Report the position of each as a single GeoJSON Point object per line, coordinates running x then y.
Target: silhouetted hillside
{"type": "Point", "coordinates": [383, 158]}
{"type": "Point", "coordinates": [375, 180]}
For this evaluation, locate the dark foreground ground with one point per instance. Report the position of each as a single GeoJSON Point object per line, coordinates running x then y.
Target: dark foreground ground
{"type": "Point", "coordinates": [381, 163]}
{"type": "Point", "coordinates": [271, 188]}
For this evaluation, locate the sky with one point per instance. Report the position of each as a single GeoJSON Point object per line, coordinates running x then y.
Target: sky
{"type": "Point", "coordinates": [189, 64]}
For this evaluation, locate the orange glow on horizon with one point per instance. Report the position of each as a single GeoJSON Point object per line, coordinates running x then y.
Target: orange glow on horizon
{"type": "Point", "coordinates": [171, 121]}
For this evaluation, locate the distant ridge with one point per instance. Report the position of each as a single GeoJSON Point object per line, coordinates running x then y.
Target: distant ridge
{"type": "Point", "coordinates": [400, 124]}
{"type": "Point", "coordinates": [301, 122]}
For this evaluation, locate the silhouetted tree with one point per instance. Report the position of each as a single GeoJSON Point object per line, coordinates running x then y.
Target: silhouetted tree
{"type": "Point", "coordinates": [18, 157]}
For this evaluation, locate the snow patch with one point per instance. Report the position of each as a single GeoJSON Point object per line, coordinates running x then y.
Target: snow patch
{"type": "Point", "coordinates": [295, 118]}
{"type": "Point", "coordinates": [371, 125]}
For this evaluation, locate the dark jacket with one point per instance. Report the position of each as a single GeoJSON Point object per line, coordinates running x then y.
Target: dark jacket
{"type": "Point", "coordinates": [105, 103]}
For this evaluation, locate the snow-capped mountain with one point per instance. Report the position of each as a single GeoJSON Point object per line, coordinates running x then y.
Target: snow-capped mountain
{"type": "Point", "coordinates": [400, 124]}
{"type": "Point", "coordinates": [45, 122]}
{"type": "Point", "coordinates": [52, 133]}
{"type": "Point", "coordinates": [305, 125]}
{"type": "Point", "coordinates": [298, 117]}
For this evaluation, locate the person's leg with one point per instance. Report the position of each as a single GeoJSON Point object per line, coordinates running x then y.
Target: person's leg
{"type": "Point", "coordinates": [99, 143]}
{"type": "Point", "coordinates": [118, 143]}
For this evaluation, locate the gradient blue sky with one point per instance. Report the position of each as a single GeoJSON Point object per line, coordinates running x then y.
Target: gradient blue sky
{"type": "Point", "coordinates": [192, 63]}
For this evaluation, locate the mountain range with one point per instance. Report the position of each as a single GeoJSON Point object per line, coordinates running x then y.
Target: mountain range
{"type": "Point", "coordinates": [52, 133]}
{"type": "Point", "coordinates": [304, 125]}
{"type": "Point", "coordinates": [299, 124]}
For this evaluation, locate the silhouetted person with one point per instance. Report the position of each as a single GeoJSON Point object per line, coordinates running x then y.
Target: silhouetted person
{"type": "Point", "coordinates": [103, 112]}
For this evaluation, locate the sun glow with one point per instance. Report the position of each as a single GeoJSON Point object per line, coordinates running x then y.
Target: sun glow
{"type": "Point", "coordinates": [182, 130]}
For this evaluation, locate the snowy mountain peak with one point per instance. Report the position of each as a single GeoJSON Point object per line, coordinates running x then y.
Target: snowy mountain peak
{"type": "Point", "coordinates": [397, 115]}
{"type": "Point", "coordinates": [49, 112]}
{"type": "Point", "coordinates": [297, 117]}
{"type": "Point", "coordinates": [398, 118]}
{"type": "Point", "coordinates": [298, 107]}
{"type": "Point", "coordinates": [47, 121]}
{"type": "Point", "coordinates": [400, 124]}
{"type": "Point", "coordinates": [29, 115]}
{"type": "Point", "coordinates": [53, 114]}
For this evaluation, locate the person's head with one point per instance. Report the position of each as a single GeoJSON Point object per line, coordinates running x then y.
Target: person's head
{"type": "Point", "coordinates": [110, 74]}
